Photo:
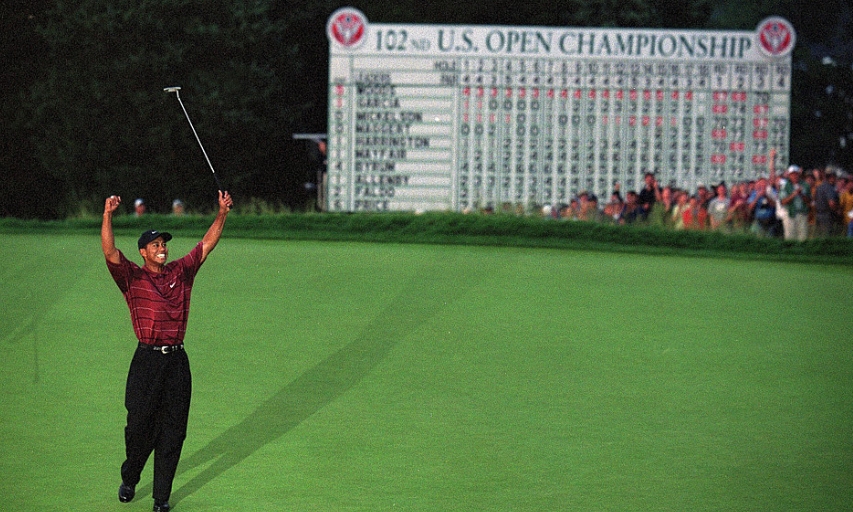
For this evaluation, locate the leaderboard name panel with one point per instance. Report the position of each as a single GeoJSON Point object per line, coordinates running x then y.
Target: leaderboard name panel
{"type": "Point", "coordinates": [392, 127]}
{"type": "Point", "coordinates": [431, 133]}
{"type": "Point", "coordinates": [537, 132]}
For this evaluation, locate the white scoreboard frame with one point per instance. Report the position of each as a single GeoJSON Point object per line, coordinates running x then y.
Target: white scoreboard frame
{"type": "Point", "coordinates": [459, 118]}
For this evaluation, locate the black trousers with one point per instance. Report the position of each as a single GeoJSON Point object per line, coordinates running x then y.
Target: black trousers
{"type": "Point", "coordinates": [157, 399]}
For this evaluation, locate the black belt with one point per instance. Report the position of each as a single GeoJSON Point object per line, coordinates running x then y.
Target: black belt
{"type": "Point", "coordinates": [164, 349]}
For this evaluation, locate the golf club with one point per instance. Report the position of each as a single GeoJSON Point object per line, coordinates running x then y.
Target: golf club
{"type": "Point", "coordinates": [176, 90]}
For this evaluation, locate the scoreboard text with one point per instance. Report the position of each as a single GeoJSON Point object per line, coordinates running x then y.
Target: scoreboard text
{"type": "Point", "coordinates": [433, 117]}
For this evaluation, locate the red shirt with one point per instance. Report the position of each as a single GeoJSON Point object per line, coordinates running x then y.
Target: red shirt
{"type": "Point", "coordinates": [159, 303]}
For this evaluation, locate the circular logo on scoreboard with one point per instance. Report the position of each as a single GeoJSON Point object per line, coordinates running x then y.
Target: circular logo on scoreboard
{"type": "Point", "coordinates": [776, 36]}
{"type": "Point", "coordinates": [347, 27]}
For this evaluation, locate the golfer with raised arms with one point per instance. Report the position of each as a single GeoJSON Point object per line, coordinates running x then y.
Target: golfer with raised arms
{"type": "Point", "coordinates": [157, 396]}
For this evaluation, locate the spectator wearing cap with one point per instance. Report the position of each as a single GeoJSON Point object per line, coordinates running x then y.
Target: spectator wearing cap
{"type": "Point", "coordinates": [139, 207]}
{"type": "Point", "coordinates": [177, 207]}
{"type": "Point", "coordinates": [794, 197]}
{"type": "Point", "coordinates": [774, 188]}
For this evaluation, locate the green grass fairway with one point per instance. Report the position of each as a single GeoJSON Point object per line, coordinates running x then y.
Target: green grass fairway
{"type": "Point", "coordinates": [372, 377]}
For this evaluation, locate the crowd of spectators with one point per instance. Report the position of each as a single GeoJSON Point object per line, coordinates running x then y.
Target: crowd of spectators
{"type": "Point", "coordinates": [795, 204]}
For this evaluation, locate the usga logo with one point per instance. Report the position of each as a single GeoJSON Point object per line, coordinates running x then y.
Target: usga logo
{"type": "Point", "coordinates": [776, 36]}
{"type": "Point", "coordinates": [347, 27]}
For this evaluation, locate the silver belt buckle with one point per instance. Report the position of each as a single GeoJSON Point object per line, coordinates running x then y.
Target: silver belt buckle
{"type": "Point", "coordinates": [165, 349]}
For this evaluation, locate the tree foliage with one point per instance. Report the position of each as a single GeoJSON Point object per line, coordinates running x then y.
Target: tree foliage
{"type": "Point", "coordinates": [105, 124]}
{"type": "Point", "coordinates": [86, 115]}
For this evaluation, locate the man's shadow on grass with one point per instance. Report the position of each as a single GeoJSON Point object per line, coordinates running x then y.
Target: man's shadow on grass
{"type": "Point", "coordinates": [310, 392]}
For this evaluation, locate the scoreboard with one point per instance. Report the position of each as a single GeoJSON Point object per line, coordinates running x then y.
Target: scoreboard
{"type": "Point", "coordinates": [459, 118]}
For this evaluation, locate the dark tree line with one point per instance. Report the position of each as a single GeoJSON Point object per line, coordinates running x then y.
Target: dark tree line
{"type": "Point", "coordinates": [85, 114]}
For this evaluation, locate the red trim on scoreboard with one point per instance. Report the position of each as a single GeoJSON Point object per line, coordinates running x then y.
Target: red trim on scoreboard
{"type": "Point", "coordinates": [776, 37]}
{"type": "Point", "coordinates": [347, 27]}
